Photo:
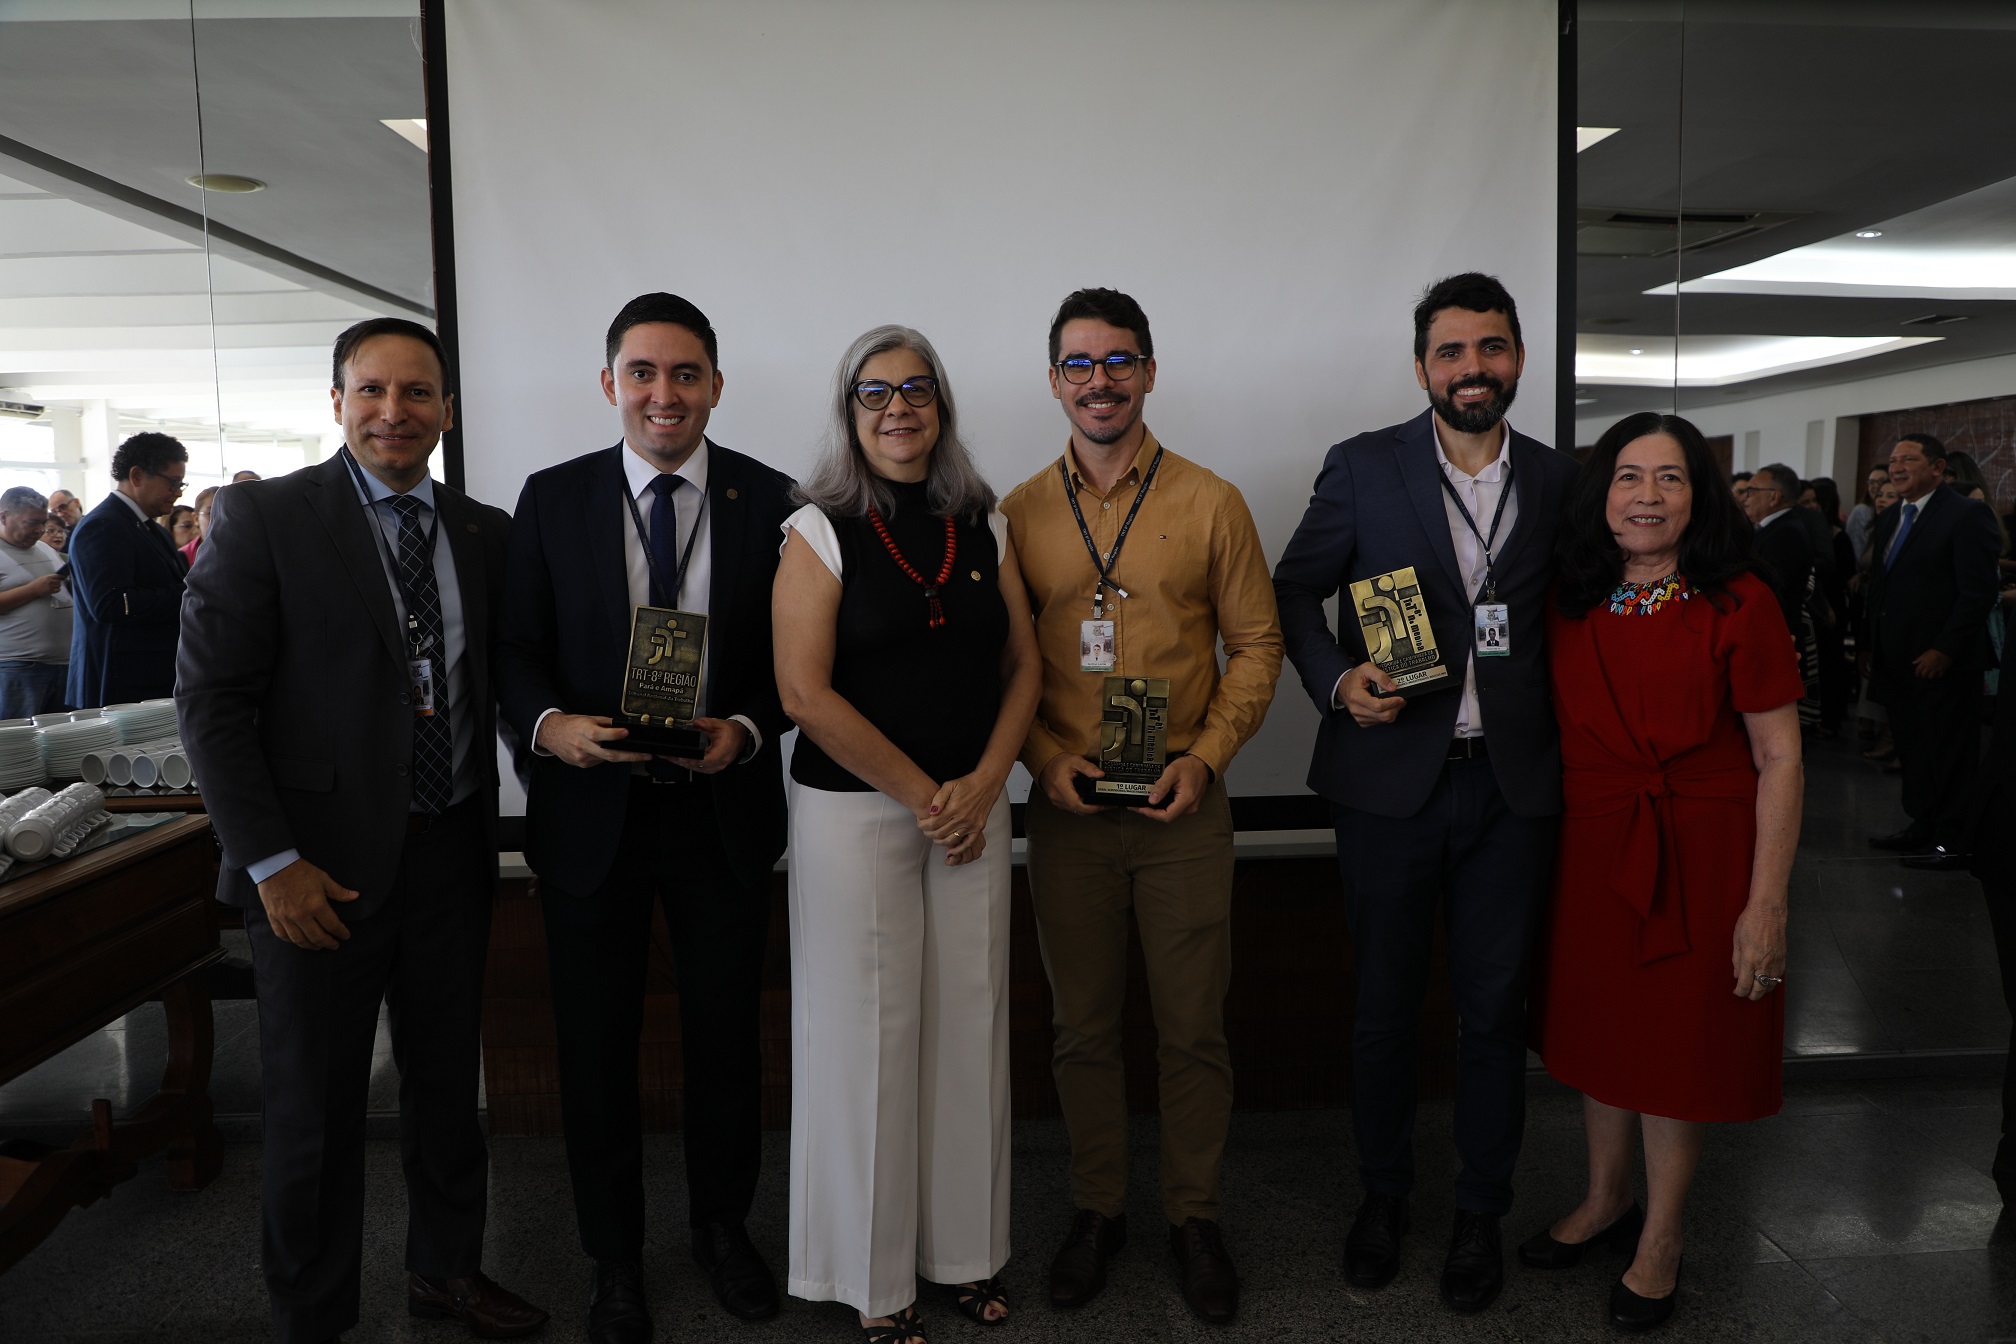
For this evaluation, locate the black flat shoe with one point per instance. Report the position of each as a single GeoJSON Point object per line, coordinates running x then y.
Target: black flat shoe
{"type": "Point", "coordinates": [1372, 1247]}
{"type": "Point", "coordinates": [1541, 1251]}
{"type": "Point", "coordinates": [1628, 1311]}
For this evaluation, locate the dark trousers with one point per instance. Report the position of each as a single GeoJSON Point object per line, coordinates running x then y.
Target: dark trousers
{"type": "Point", "coordinates": [1936, 724]}
{"type": "Point", "coordinates": [1489, 870]}
{"type": "Point", "coordinates": [599, 944]}
{"type": "Point", "coordinates": [422, 954]}
{"type": "Point", "coordinates": [2000, 894]}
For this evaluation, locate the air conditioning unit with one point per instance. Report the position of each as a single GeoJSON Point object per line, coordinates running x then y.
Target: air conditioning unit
{"type": "Point", "coordinates": [21, 410]}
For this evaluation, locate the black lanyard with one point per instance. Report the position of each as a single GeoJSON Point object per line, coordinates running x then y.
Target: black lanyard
{"type": "Point", "coordinates": [650, 560]}
{"type": "Point", "coordinates": [1105, 568]}
{"type": "Point", "coordinates": [413, 634]}
{"type": "Point", "coordinates": [1505, 493]}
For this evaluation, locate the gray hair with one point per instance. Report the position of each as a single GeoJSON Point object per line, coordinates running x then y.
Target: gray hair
{"type": "Point", "coordinates": [843, 486]}
{"type": "Point", "coordinates": [22, 498]}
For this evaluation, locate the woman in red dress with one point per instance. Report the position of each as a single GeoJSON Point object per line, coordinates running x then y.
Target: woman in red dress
{"type": "Point", "coordinates": [1676, 685]}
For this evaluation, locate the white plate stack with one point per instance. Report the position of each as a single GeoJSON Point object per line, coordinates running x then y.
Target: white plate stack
{"type": "Point", "coordinates": [64, 744]}
{"type": "Point", "coordinates": [20, 754]}
{"type": "Point", "coordinates": [144, 721]}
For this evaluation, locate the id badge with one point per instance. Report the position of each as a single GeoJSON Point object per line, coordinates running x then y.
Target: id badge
{"type": "Point", "coordinates": [1494, 630]}
{"type": "Point", "coordinates": [420, 671]}
{"type": "Point", "coordinates": [1095, 646]}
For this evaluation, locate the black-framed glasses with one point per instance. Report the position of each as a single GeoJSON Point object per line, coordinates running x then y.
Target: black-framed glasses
{"type": "Point", "coordinates": [177, 481]}
{"type": "Point", "coordinates": [1078, 368]}
{"type": "Point", "coordinates": [874, 394]}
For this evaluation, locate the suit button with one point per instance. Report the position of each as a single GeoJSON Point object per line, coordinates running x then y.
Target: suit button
{"type": "Point", "coordinates": [403, 698]}
{"type": "Point", "coordinates": [399, 770]}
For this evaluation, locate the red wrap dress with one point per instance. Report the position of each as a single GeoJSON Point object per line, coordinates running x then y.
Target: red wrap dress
{"type": "Point", "coordinates": [1635, 1002]}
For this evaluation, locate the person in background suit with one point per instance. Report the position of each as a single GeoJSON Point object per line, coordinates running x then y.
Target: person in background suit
{"type": "Point", "coordinates": [1994, 846]}
{"type": "Point", "coordinates": [65, 508]}
{"type": "Point", "coordinates": [335, 697]}
{"type": "Point", "coordinates": [1443, 797]}
{"type": "Point", "coordinates": [127, 579]}
{"type": "Point", "coordinates": [1770, 500]}
{"type": "Point", "coordinates": [671, 520]}
{"type": "Point", "coordinates": [1931, 587]}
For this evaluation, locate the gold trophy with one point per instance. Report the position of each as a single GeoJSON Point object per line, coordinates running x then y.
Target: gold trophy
{"type": "Point", "coordinates": [1393, 616]}
{"type": "Point", "coordinates": [661, 683]}
{"type": "Point", "coordinates": [1133, 742]}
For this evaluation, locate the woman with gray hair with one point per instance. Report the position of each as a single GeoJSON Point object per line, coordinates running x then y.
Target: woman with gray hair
{"type": "Point", "coordinates": [906, 656]}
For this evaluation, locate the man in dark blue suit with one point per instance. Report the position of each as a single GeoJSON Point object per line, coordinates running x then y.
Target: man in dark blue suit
{"type": "Point", "coordinates": [1446, 796]}
{"type": "Point", "coordinates": [127, 578]}
{"type": "Point", "coordinates": [667, 519]}
{"type": "Point", "coordinates": [1932, 585]}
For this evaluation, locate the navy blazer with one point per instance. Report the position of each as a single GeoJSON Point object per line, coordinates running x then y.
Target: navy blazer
{"type": "Point", "coordinates": [127, 578]}
{"type": "Point", "coordinates": [1378, 506]}
{"type": "Point", "coordinates": [564, 640]}
{"type": "Point", "coordinates": [294, 691]}
{"type": "Point", "coordinates": [1938, 593]}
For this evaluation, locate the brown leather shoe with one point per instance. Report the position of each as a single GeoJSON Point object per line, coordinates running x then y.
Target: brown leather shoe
{"type": "Point", "coordinates": [489, 1311]}
{"type": "Point", "coordinates": [1210, 1284]}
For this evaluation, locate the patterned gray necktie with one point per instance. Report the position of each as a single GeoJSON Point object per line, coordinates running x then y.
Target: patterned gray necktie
{"type": "Point", "coordinates": [433, 745]}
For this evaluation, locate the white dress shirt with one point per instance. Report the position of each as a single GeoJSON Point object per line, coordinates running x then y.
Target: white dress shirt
{"type": "Point", "coordinates": [1480, 494]}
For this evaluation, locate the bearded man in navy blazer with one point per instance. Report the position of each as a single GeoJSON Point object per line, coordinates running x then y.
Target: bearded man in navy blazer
{"type": "Point", "coordinates": [1447, 797]}
{"type": "Point", "coordinates": [665, 518]}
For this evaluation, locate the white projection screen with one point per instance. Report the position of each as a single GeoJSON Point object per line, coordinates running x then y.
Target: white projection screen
{"type": "Point", "coordinates": [1274, 180]}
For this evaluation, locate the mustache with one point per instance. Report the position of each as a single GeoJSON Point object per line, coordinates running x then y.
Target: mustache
{"type": "Point", "coordinates": [1110, 394]}
{"type": "Point", "coordinates": [1477, 380]}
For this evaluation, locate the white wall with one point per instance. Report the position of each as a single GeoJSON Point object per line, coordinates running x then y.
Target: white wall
{"type": "Point", "coordinates": [1275, 180]}
{"type": "Point", "coordinates": [1784, 425]}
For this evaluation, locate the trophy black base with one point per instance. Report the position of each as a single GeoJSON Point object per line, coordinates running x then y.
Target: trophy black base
{"type": "Point", "coordinates": [663, 739]}
{"type": "Point", "coordinates": [1119, 786]}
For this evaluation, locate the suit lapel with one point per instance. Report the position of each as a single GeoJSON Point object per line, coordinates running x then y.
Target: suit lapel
{"type": "Point", "coordinates": [1526, 483]}
{"type": "Point", "coordinates": [728, 502]}
{"type": "Point", "coordinates": [465, 543]}
{"type": "Point", "coordinates": [335, 502]}
{"type": "Point", "coordinates": [605, 522]}
{"type": "Point", "coordinates": [1415, 455]}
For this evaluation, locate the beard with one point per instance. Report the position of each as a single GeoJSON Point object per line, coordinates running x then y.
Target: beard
{"type": "Point", "coordinates": [1115, 430]}
{"type": "Point", "coordinates": [1482, 416]}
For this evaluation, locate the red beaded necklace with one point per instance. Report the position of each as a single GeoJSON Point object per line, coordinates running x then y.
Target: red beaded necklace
{"type": "Point", "coordinates": [930, 586]}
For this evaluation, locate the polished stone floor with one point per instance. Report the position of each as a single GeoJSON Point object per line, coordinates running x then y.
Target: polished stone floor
{"type": "Point", "coordinates": [1863, 1212]}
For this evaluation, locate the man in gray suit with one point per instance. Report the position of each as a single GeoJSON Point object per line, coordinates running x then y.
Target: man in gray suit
{"type": "Point", "coordinates": [334, 690]}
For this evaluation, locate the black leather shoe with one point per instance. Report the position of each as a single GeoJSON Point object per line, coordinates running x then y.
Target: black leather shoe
{"type": "Point", "coordinates": [1543, 1252]}
{"type": "Point", "coordinates": [742, 1283]}
{"type": "Point", "coordinates": [1475, 1270]}
{"type": "Point", "coordinates": [616, 1311]}
{"type": "Point", "coordinates": [1913, 839]}
{"type": "Point", "coordinates": [1940, 860]}
{"type": "Point", "coordinates": [1628, 1311]}
{"type": "Point", "coordinates": [1210, 1284]}
{"type": "Point", "coordinates": [1372, 1246]}
{"type": "Point", "coordinates": [1079, 1271]}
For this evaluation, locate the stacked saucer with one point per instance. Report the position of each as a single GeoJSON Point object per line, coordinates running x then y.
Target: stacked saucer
{"type": "Point", "coordinates": [145, 721]}
{"type": "Point", "coordinates": [65, 744]}
{"type": "Point", "coordinates": [20, 754]}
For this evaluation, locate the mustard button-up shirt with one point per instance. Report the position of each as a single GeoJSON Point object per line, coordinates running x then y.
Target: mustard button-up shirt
{"type": "Point", "coordinates": [1194, 573]}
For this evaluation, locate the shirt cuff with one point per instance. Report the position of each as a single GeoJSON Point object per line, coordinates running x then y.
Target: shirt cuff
{"type": "Point", "coordinates": [538, 750]}
{"type": "Point", "coordinates": [266, 867]}
{"type": "Point", "coordinates": [1337, 691]}
{"type": "Point", "coordinates": [755, 738]}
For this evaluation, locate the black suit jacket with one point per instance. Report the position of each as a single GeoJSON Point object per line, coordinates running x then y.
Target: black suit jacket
{"type": "Point", "coordinates": [292, 687]}
{"type": "Point", "coordinates": [127, 578]}
{"type": "Point", "coordinates": [1378, 506]}
{"type": "Point", "coordinates": [1938, 593]}
{"type": "Point", "coordinates": [565, 638]}
{"type": "Point", "coordinates": [1786, 554]}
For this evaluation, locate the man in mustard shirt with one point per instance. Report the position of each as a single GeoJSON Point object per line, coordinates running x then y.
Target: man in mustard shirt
{"type": "Point", "coordinates": [1158, 561]}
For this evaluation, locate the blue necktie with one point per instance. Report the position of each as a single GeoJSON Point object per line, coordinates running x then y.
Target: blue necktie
{"type": "Point", "coordinates": [664, 540]}
{"type": "Point", "coordinates": [433, 746]}
{"type": "Point", "coordinates": [1903, 530]}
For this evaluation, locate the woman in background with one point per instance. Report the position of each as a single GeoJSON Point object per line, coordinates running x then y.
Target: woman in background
{"type": "Point", "coordinates": [181, 524]}
{"type": "Point", "coordinates": [906, 656]}
{"type": "Point", "coordinates": [1676, 686]}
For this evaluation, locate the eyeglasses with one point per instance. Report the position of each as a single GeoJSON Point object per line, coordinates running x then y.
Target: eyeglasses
{"type": "Point", "coordinates": [1078, 368]}
{"type": "Point", "coordinates": [875, 394]}
{"type": "Point", "coordinates": [176, 481]}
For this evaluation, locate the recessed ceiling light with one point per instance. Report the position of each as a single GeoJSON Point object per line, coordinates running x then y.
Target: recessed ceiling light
{"type": "Point", "coordinates": [1586, 136]}
{"type": "Point", "coordinates": [1870, 233]}
{"type": "Point", "coordinates": [413, 130]}
{"type": "Point", "coordinates": [229, 184]}
{"type": "Point", "coordinates": [1717, 361]}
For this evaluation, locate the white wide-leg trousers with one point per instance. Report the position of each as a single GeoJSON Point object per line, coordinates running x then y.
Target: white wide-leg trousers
{"type": "Point", "coordinates": [899, 1054]}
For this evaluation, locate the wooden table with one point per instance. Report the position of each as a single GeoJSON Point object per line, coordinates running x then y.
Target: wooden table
{"type": "Point", "coordinates": [82, 943]}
